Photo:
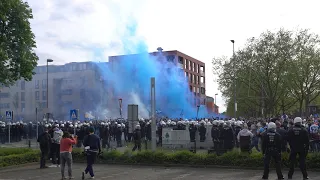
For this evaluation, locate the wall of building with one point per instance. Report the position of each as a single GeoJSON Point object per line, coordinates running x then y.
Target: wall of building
{"type": "Point", "coordinates": [71, 86]}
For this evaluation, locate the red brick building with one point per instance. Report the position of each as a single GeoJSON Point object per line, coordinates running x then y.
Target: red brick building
{"type": "Point", "coordinates": [211, 106]}
{"type": "Point", "coordinates": [194, 70]}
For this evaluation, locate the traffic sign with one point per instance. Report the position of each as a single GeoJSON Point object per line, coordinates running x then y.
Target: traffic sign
{"type": "Point", "coordinates": [73, 114]}
{"type": "Point", "coordinates": [9, 115]}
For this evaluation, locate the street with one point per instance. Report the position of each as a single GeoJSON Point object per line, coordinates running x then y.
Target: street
{"type": "Point", "coordinates": [142, 173]}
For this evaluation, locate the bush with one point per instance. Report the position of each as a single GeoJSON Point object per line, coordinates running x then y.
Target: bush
{"type": "Point", "coordinates": [232, 158]}
{"type": "Point", "coordinates": [11, 151]}
{"type": "Point", "coordinates": [22, 158]}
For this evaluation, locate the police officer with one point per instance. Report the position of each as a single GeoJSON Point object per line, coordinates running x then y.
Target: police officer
{"type": "Point", "coordinates": [271, 148]}
{"type": "Point", "coordinates": [299, 144]}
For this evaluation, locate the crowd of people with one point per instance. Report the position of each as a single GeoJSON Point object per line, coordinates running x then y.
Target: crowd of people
{"type": "Point", "coordinates": [283, 135]}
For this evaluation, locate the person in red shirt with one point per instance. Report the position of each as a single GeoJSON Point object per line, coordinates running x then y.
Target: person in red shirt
{"type": "Point", "coordinates": [65, 153]}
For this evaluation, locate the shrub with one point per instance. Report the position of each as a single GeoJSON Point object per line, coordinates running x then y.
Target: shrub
{"type": "Point", "coordinates": [10, 151]}
{"type": "Point", "coordinates": [232, 158]}
{"type": "Point", "coordinates": [16, 159]}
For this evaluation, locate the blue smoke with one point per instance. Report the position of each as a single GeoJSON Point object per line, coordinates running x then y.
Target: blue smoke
{"type": "Point", "coordinates": [130, 76]}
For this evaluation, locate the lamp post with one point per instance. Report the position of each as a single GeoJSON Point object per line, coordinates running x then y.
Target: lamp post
{"type": "Point", "coordinates": [234, 80]}
{"type": "Point", "coordinates": [48, 60]}
{"type": "Point", "coordinates": [120, 106]}
{"type": "Point", "coordinates": [198, 106]}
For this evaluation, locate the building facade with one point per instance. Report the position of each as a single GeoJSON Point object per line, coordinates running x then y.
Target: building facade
{"type": "Point", "coordinates": [193, 70]}
{"type": "Point", "coordinates": [71, 86]}
{"type": "Point", "coordinates": [211, 106]}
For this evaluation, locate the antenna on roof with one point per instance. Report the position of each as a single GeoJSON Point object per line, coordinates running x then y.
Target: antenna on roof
{"type": "Point", "coordinates": [159, 49]}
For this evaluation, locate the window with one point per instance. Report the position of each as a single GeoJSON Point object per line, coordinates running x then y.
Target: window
{"type": "Point", "coordinates": [203, 90]}
{"type": "Point", "coordinates": [44, 83]}
{"type": "Point", "coordinates": [23, 94]}
{"type": "Point", "coordinates": [36, 84]}
{"type": "Point", "coordinates": [23, 85]}
{"type": "Point", "coordinates": [44, 95]}
{"type": "Point", "coordinates": [198, 90]}
{"type": "Point", "coordinates": [194, 79]}
{"type": "Point", "coordinates": [170, 58]}
{"type": "Point", "coordinates": [185, 63]}
{"type": "Point", "coordinates": [180, 59]}
{"type": "Point", "coordinates": [43, 104]}
{"type": "Point", "coordinates": [4, 95]}
{"type": "Point", "coordinates": [190, 87]}
{"type": "Point", "coordinates": [5, 106]}
{"type": "Point", "coordinates": [198, 81]}
{"type": "Point", "coordinates": [23, 106]}
{"type": "Point", "coordinates": [194, 89]}
{"type": "Point", "coordinates": [37, 96]}
{"type": "Point", "coordinates": [66, 92]}
{"type": "Point", "coordinates": [82, 94]}
{"type": "Point", "coordinates": [74, 67]}
{"type": "Point", "coordinates": [194, 67]}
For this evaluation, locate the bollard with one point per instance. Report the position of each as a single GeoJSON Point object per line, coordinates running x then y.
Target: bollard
{"type": "Point", "coordinates": [29, 143]}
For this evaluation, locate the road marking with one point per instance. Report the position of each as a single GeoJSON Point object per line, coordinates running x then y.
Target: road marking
{"type": "Point", "coordinates": [182, 176]}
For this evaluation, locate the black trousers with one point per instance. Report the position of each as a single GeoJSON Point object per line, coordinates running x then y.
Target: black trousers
{"type": "Point", "coordinates": [276, 156]}
{"type": "Point", "coordinates": [302, 163]}
{"type": "Point", "coordinates": [55, 153]}
{"type": "Point", "coordinates": [44, 156]}
{"type": "Point", "coordinates": [137, 145]}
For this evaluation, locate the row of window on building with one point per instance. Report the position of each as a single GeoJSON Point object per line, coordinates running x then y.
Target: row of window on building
{"type": "Point", "coordinates": [192, 66]}
{"type": "Point", "coordinates": [197, 90]}
{"type": "Point", "coordinates": [65, 68]}
{"type": "Point", "coordinates": [195, 79]}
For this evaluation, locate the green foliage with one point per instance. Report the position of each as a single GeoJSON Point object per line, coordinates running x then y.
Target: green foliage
{"type": "Point", "coordinates": [17, 56]}
{"type": "Point", "coordinates": [17, 158]}
{"type": "Point", "coordinates": [275, 73]}
{"type": "Point", "coordinates": [232, 158]}
{"type": "Point", "coordinates": [13, 151]}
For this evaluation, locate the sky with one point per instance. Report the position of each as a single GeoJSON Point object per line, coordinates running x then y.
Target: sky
{"type": "Point", "coordinates": [90, 30]}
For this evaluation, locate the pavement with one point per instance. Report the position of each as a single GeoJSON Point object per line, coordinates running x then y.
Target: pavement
{"type": "Point", "coordinates": [123, 172]}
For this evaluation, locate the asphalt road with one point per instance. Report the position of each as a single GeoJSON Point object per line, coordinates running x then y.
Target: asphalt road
{"type": "Point", "coordinates": [103, 172]}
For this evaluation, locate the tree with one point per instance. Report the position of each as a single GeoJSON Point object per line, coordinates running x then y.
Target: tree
{"type": "Point", "coordinates": [272, 73]}
{"type": "Point", "coordinates": [17, 56]}
{"type": "Point", "coordinates": [305, 69]}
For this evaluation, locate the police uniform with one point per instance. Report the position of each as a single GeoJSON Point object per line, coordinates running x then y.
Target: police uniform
{"type": "Point", "coordinates": [299, 144]}
{"type": "Point", "coordinates": [271, 148]}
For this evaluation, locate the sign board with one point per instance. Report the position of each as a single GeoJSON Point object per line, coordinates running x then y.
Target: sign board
{"type": "Point", "coordinates": [9, 115]}
{"type": "Point", "coordinates": [133, 119]}
{"type": "Point", "coordinates": [74, 114]}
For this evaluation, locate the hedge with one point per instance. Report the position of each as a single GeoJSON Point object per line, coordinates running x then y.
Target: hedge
{"type": "Point", "coordinates": [22, 158]}
{"type": "Point", "coordinates": [165, 158]}
{"type": "Point", "coordinates": [11, 151]}
{"type": "Point", "coordinates": [230, 159]}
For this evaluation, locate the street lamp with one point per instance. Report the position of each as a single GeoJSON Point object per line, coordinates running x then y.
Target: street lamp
{"type": "Point", "coordinates": [234, 81]}
{"type": "Point", "coordinates": [120, 105]}
{"type": "Point", "coordinates": [48, 60]}
{"type": "Point", "coordinates": [215, 98]}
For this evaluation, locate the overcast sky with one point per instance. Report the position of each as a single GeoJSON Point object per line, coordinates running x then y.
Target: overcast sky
{"type": "Point", "coordinates": [84, 30]}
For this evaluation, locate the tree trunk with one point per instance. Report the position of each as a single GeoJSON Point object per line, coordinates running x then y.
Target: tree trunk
{"type": "Point", "coordinates": [300, 107]}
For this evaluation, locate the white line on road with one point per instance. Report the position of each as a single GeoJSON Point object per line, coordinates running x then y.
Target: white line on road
{"type": "Point", "coordinates": [182, 176]}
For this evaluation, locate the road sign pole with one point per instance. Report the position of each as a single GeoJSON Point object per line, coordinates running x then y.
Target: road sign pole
{"type": "Point", "coordinates": [9, 128]}
{"type": "Point", "coordinates": [37, 123]}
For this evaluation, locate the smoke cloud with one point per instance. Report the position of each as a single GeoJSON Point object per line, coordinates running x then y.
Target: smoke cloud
{"type": "Point", "coordinates": [129, 79]}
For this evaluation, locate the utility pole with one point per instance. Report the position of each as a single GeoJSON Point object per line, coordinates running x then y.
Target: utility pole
{"type": "Point", "coordinates": [234, 81]}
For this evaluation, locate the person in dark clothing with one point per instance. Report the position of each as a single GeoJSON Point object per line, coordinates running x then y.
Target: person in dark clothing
{"type": "Point", "coordinates": [192, 132]}
{"type": "Point", "coordinates": [299, 144]}
{"type": "Point", "coordinates": [271, 148]}
{"type": "Point", "coordinates": [45, 143]}
{"type": "Point", "coordinates": [92, 147]}
{"type": "Point", "coordinates": [137, 138]}
{"type": "Point", "coordinates": [283, 134]}
{"type": "Point", "coordinates": [202, 132]}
